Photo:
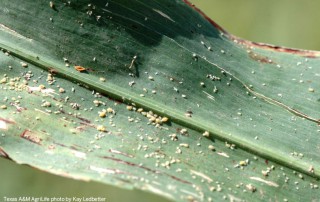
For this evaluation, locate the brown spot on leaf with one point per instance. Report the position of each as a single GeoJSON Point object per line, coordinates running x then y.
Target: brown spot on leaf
{"type": "Point", "coordinates": [60, 144]}
{"type": "Point", "coordinates": [31, 136]}
{"type": "Point", "coordinates": [83, 119]}
{"type": "Point", "coordinates": [80, 118]}
{"type": "Point", "coordinates": [7, 121]}
{"type": "Point", "coordinates": [18, 107]}
{"type": "Point", "coordinates": [260, 58]}
{"type": "Point", "coordinates": [84, 126]}
{"type": "Point", "coordinates": [251, 44]}
{"type": "Point", "coordinates": [4, 154]}
{"type": "Point", "coordinates": [72, 147]}
{"type": "Point", "coordinates": [4, 123]}
{"type": "Point", "coordinates": [145, 168]}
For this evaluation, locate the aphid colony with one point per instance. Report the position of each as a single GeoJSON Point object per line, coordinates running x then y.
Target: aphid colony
{"type": "Point", "coordinates": [153, 118]}
{"type": "Point", "coordinates": [104, 112]}
{"type": "Point", "coordinates": [18, 84]}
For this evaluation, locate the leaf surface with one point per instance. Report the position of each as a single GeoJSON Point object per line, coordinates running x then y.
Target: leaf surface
{"type": "Point", "coordinates": [140, 63]}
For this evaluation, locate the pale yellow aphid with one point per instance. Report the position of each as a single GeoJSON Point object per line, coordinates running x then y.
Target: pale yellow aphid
{"type": "Point", "coordinates": [184, 145]}
{"type": "Point", "coordinates": [103, 113]}
{"type": "Point", "coordinates": [101, 128]}
{"type": "Point", "coordinates": [110, 110]}
{"type": "Point", "coordinates": [24, 64]}
{"type": "Point", "coordinates": [4, 80]}
{"type": "Point", "coordinates": [46, 104]}
{"type": "Point", "coordinates": [165, 119]}
{"type": "Point", "coordinates": [206, 134]}
{"type": "Point", "coordinates": [61, 90]}
{"type": "Point", "coordinates": [242, 163]}
{"type": "Point", "coordinates": [211, 147]}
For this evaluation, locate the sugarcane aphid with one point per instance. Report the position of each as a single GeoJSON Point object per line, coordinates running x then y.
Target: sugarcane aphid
{"type": "Point", "coordinates": [51, 4]}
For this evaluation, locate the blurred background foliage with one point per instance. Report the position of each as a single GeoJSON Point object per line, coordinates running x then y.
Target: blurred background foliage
{"type": "Point", "coordinates": [290, 23]}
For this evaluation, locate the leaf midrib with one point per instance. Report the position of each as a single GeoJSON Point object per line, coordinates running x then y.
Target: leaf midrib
{"type": "Point", "coordinates": [127, 97]}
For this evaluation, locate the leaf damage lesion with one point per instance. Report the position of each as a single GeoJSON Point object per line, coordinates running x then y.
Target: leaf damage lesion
{"type": "Point", "coordinates": [145, 168]}
{"type": "Point", "coordinates": [260, 58]}
{"type": "Point", "coordinates": [4, 123]}
{"type": "Point", "coordinates": [303, 53]}
{"type": "Point", "coordinates": [31, 136]}
{"type": "Point", "coordinates": [8, 121]}
{"type": "Point", "coordinates": [4, 154]}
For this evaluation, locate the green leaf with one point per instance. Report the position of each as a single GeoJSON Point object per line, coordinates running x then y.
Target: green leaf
{"type": "Point", "coordinates": [146, 62]}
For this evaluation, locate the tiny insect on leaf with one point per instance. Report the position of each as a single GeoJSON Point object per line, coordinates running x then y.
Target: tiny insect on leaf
{"type": "Point", "coordinates": [80, 68]}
